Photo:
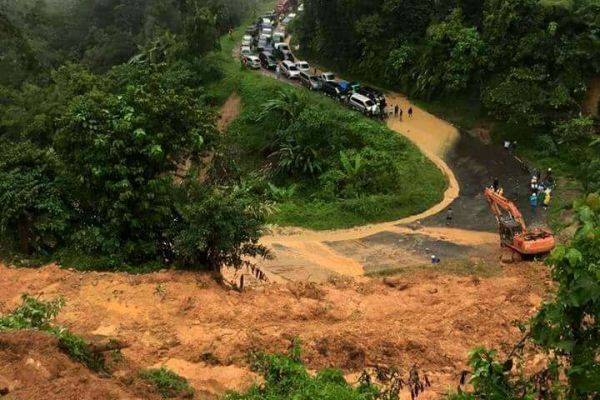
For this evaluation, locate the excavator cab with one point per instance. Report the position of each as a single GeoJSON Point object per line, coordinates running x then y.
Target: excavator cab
{"type": "Point", "coordinates": [509, 228]}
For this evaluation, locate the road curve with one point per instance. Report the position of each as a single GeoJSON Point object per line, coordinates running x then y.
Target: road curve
{"type": "Point", "coordinates": [303, 254]}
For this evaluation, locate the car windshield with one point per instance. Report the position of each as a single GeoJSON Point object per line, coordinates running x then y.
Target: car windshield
{"type": "Point", "coordinates": [330, 77]}
{"type": "Point", "coordinates": [314, 79]}
{"type": "Point", "coordinates": [303, 65]}
{"type": "Point", "coordinates": [293, 68]}
{"type": "Point", "coordinates": [369, 103]}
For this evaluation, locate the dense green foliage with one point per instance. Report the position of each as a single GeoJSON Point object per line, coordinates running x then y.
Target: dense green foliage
{"type": "Point", "coordinates": [100, 160]}
{"type": "Point", "coordinates": [110, 157]}
{"type": "Point", "coordinates": [168, 383]}
{"type": "Point", "coordinates": [324, 166]}
{"type": "Point", "coordinates": [566, 329]}
{"type": "Point", "coordinates": [38, 35]}
{"type": "Point", "coordinates": [525, 63]}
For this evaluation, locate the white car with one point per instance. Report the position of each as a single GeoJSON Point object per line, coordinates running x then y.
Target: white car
{"type": "Point", "coordinates": [245, 51]}
{"type": "Point", "coordinates": [267, 31]}
{"type": "Point", "coordinates": [282, 47]}
{"type": "Point", "coordinates": [363, 104]}
{"type": "Point", "coordinates": [278, 37]}
{"type": "Point", "coordinates": [290, 70]}
{"type": "Point", "coordinates": [328, 77]}
{"type": "Point", "coordinates": [288, 19]}
{"type": "Point", "coordinates": [246, 40]}
{"type": "Point", "coordinates": [252, 61]}
{"type": "Point", "coordinates": [303, 66]}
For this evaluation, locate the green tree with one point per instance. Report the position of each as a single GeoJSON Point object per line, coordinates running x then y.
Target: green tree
{"type": "Point", "coordinates": [122, 149]}
{"type": "Point", "coordinates": [568, 327]}
{"type": "Point", "coordinates": [579, 130]}
{"type": "Point", "coordinates": [218, 227]}
{"type": "Point", "coordinates": [461, 51]}
{"type": "Point", "coordinates": [34, 213]}
{"type": "Point", "coordinates": [527, 95]}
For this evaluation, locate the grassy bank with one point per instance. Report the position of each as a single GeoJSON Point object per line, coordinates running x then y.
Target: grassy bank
{"type": "Point", "coordinates": [363, 172]}
{"type": "Point", "coordinates": [466, 111]}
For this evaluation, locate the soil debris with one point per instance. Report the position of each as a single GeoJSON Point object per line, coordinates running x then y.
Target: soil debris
{"type": "Point", "coordinates": [362, 322]}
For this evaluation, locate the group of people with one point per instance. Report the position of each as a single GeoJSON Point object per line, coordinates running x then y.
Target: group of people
{"type": "Point", "coordinates": [541, 190]}
{"type": "Point", "coordinates": [397, 112]}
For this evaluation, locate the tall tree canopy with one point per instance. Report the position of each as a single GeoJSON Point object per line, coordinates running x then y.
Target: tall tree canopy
{"type": "Point", "coordinates": [101, 114]}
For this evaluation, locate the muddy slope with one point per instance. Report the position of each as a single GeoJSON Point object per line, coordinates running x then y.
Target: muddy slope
{"type": "Point", "coordinates": [186, 321]}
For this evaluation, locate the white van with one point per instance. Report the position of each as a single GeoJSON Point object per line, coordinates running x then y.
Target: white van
{"type": "Point", "coordinates": [363, 104]}
{"type": "Point", "coordinates": [290, 70]}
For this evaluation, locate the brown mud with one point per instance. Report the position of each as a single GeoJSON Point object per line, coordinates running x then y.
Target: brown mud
{"type": "Point", "coordinates": [430, 316]}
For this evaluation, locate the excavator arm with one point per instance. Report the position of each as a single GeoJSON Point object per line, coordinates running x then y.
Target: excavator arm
{"type": "Point", "coordinates": [523, 241]}
{"type": "Point", "coordinates": [501, 207]}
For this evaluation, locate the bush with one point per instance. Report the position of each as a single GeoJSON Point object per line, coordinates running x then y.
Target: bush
{"type": "Point", "coordinates": [168, 383]}
{"type": "Point", "coordinates": [346, 169]}
{"type": "Point", "coordinates": [32, 314]}
{"type": "Point", "coordinates": [37, 314]}
{"type": "Point", "coordinates": [286, 378]}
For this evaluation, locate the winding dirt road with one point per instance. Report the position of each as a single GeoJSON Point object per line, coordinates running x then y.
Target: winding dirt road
{"type": "Point", "coordinates": [306, 255]}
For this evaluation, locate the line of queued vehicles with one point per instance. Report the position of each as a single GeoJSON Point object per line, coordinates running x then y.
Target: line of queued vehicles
{"type": "Point", "coordinates": [264, 46]}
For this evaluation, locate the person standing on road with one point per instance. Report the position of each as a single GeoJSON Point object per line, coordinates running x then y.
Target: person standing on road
{"type": "Point", "coordinates": [496, 184]}
{"type": "Point", "coordinates": [383, 108]}
{"type": "Point", "coordinates": [315, 70]}
{"type": "Point", "coordinates": [277, 71]}
{"type": "Point", "coordinates": [548, 177]}
{"type": "Point", "coordinates": [396, 108]}
{"type": "Point", "coordinates": [400, 112]}
{"type": "Point", "coordinates": [534, 185]}
{"type": "Point", "coordinates": [410, 112]}
{"type": "Point", "coordinates": [449, 216]}
{"type": "Point", "coordinates": [533, 201]}
{"type": "Point", "coordinates": [541, 193]}
{"type": "Point", "coordinates": [547, 198]}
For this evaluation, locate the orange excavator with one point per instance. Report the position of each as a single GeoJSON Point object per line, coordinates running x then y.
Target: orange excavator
{"type": "Point", "coordinates": [513, 231]}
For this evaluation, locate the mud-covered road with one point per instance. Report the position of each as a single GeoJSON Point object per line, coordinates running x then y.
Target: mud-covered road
{"type": "Point", "coordinates": [469, 162]}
